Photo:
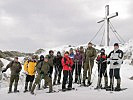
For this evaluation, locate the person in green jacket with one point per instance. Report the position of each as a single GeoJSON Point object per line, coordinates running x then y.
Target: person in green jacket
{"type": "Point", "coordinates": [51, 62]}
{"type": "Point", "coordinates": [90, 55]}
{"type": "Point", "coordinates": [15, 67]}
{"type": "Point", "coordinates": [42, 69]}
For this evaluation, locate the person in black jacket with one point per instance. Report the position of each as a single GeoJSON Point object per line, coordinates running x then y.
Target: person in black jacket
{"type": "Point", "coordinates": [58, 68]}
{"type": "Point", "coordinates": [102, 69]}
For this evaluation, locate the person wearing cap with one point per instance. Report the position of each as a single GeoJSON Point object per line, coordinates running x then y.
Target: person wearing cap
{"type": "Point", "coordinates": [67, 64]}
{"type": "Point", "coordinates": [115, 59]}
{"type": "Point", "coordinates": [15, 67]}
{"type": "Point", "coordinates": [90, 55]}
{"type": "Point", "coordinates": [58, 68]}
{"type": "Point", "coordinates": [29, 68]}
{"type": "Point", "coordinates": [102, 69]}
{"type": "Point", "coordinates": [42, 69]}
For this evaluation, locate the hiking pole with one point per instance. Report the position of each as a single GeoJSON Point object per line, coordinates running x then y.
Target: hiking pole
{"type": "Point", "coordinates": [90, 68]}
{"type": "Point", "coordinates": [99, 72]}
{"type": "Point", "coordinates": [112, 86]}
{"type": "Point", "coordinates": [81, 71]}
{"type": "Point", "coordinates": [78, 71]}
{"type": "Point", "coordinates": [94, 75]}
{"type": "Point", "coordinates": [55, 74]}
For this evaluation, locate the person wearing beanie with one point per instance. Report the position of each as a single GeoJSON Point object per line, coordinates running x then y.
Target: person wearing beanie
{"type": "Point", "coordinates": [58, 68]}
{"type": "Point", "coordinates": [115, 59]}
{"type": "Point", "coordinates": [102, 69]}
{"type": "Point", "coordinates": [67, 64]}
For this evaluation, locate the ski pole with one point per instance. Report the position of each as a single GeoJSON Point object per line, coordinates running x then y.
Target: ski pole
{"type": "Point", "coordinates": [78, 71]}
{"type": "Point", "coordinates": [90, 68]}
{"type": "Point", "coordinates": [112, 81]}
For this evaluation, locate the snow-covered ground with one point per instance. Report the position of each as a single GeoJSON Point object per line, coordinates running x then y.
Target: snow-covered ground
{"type": "Point", "coordinates": [82, 93]}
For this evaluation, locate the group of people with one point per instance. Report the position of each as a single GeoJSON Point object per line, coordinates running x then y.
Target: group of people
{"type": "Point", "coordinates": [70, 62]}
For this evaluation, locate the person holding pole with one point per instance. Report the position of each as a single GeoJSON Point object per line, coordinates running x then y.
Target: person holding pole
{"type": "Point", "coordinates": [90, 55]}
{"type": "Point", "coordinates": [102, 69]}
{"type": "Point", "coordinates": [115, 59]}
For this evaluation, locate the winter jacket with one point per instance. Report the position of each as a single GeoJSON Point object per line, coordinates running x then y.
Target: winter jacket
{"type": "Point", "coordinates": [78, 58]}
{"type": "Point", "coordinates": [101, 60]}
{"type": "Point", "coordinates": [83, 54]}
{"type": "Point", "coordinates": [57, 61]}
{"type": "Point", "coordinates": [29, 67]}
{"type": "Point", "coordinates": [67, 63]}
{"type": "Point", "coordinates": [42, 67]}
{"type": "Point", "coordinates": [50, 60]}
{"type": "Point", "coordinates": [90, 55]}
{"type": "Point", "coordinates": [71, 55]}
{"type": "Point", "coordinates": [115, 58]}
{"type": "Point", "coordinates": [15, 67]}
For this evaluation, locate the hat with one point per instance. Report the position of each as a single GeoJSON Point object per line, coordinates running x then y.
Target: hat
{"type": "Point", "coordinates": [66, 52]}
{"type": "Point", "coordinates": [116, 44]}
{"type": "Point", "coordinates": [102, 50]}
{"type": "Point", "coordinates": [58, 52]}
{"type": "Point", "coordinates": [89, 43]}
{"type": "Point", "coordinates": [41, 57]}
{"type": "Point", "coordinates": [71, 49]}
{"type": "Point", "coordinates": [81, 47]}
{"type": "Point", "coordinates": [16, 57]}
{"type": "Point", "coordinates": [51, 51]}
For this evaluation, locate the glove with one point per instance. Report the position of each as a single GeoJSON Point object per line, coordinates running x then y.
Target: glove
{"type": "Point", "coordinates": [26, 72]}
{"type": "Point", "coordinates": [3, 70]}
{"type": "Point", "coordinates": [115, 63]}
{"type": "Point", "coordinates": [69, 65]}
{"type": "Point", "coordinates": [41, 72]}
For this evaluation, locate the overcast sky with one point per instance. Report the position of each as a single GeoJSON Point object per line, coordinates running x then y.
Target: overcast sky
{"type": "Point", "coordinates": [27, 25]}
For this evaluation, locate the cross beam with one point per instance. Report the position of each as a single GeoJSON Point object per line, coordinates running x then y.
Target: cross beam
{"type": "Point", "coordinates": [106, 19]}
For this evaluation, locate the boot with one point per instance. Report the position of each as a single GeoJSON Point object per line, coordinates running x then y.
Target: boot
{"type": "Point", "coordinates": [15, 88]}
{"type": "Point", "coordinates": [33, 88]}
{"type": "Point", "coordinates": [111, 87]}
{"type": "Point", "coordinates": [30, 86]}
{"type": "Point", "coordinates": [99, 83]}
{"type": "Point", "coordinates": [26, 85]}
{"type": "Point", "coordinates": [89, 83]}
{"type": "Point", "coordinates": [39, 86]}
{"type": "Point", "coordinates": [84, 83]}
{"type": "Point", "coordinates": [50, 87]}
{"type": "Point", "coordinates": [58, 82]}
{"type": "Point", "coordinates": [10, 89]}
{"type": "Point", "coordinates": [76, 79]}
{"type": "Point", "coordinates": [106, 82]}
{"type": "Point", "coordinates": [118, 88]}
{"type": "Point", "coordinates": [54, 83]}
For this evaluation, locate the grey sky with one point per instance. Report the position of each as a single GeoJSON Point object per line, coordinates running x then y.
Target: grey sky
{"type": "Point", "coordinates": [27, 25]}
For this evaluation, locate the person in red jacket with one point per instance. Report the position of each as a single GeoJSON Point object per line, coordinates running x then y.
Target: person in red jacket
{"type": "Point", "coordinates": [67, 64]}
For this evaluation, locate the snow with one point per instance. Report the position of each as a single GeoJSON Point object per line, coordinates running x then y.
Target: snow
{"type": "Point", "coordinates": [83, 93]}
